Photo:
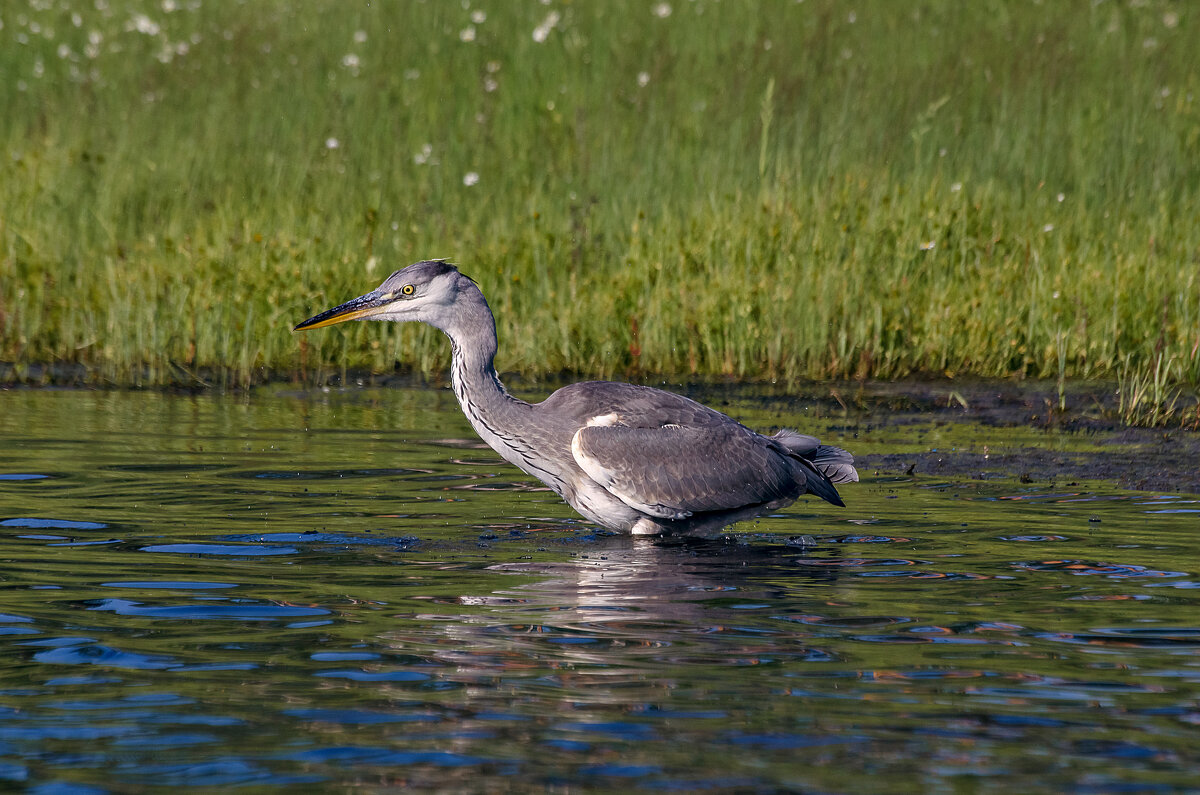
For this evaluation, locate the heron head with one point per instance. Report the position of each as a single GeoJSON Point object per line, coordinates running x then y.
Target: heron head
{"type": "Point", "coordinates": [422, 292]}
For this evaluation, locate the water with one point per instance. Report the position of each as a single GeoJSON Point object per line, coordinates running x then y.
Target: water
{"type": "Point", "coordinates": [344, 590]}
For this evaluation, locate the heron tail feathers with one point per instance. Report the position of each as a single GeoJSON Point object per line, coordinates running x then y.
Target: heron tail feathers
{"type": "Point", "coordinates": [835, 463]}
{"type": "Point", "coordinates": [821, 465]}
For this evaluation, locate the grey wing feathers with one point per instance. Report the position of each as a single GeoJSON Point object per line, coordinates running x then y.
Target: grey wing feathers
{"type": "Point", "coordinates": [674, 471]}
{"type": "Point", "coordinates": [670, 457]}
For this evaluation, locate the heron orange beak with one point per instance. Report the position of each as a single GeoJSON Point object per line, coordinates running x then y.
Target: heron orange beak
{"type": "Point", "coordinates": [360, 308]}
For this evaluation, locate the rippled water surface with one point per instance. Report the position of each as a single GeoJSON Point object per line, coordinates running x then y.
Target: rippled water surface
{"type": "Point", "coordinates": [326, 591]}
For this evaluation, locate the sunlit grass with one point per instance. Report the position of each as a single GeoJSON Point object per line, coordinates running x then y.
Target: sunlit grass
{"type": "Point", "coordinates": [762, 190]}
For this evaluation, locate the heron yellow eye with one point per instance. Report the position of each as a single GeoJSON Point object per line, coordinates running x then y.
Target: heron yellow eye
{"type": "Point", "coordinates": [407, 289]}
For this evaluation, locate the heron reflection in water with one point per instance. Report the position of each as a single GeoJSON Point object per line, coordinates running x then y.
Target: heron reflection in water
{"type": "Point", "coordinates": [628, 457]}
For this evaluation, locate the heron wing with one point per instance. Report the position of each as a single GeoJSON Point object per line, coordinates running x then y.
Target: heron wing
{"type": "Point", "coordinates": [672, 471]}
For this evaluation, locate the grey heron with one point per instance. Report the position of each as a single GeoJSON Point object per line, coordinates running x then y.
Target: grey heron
{"type": "Point", "coordinates": [628, 457]}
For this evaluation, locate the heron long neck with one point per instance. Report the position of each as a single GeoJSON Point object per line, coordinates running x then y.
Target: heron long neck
{"type": "Point", "coordinates": [496, 415]}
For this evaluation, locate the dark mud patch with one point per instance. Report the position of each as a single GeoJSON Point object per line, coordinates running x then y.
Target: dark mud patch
{"type": "Point", "coordinates": [1165, 464]}
{"type": "Point", "coordinates": [1144, 459]}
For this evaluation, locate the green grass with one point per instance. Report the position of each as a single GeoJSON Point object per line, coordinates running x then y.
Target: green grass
{"type": "Point", "coordinates": [761, 190]}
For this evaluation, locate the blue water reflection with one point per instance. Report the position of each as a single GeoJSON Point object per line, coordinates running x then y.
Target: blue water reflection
{"type": "Point", "coordinates": [310, 592]}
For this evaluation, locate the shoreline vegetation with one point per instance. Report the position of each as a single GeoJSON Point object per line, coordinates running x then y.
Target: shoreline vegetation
{"type": "Point", "coordinates": [691, 189]}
